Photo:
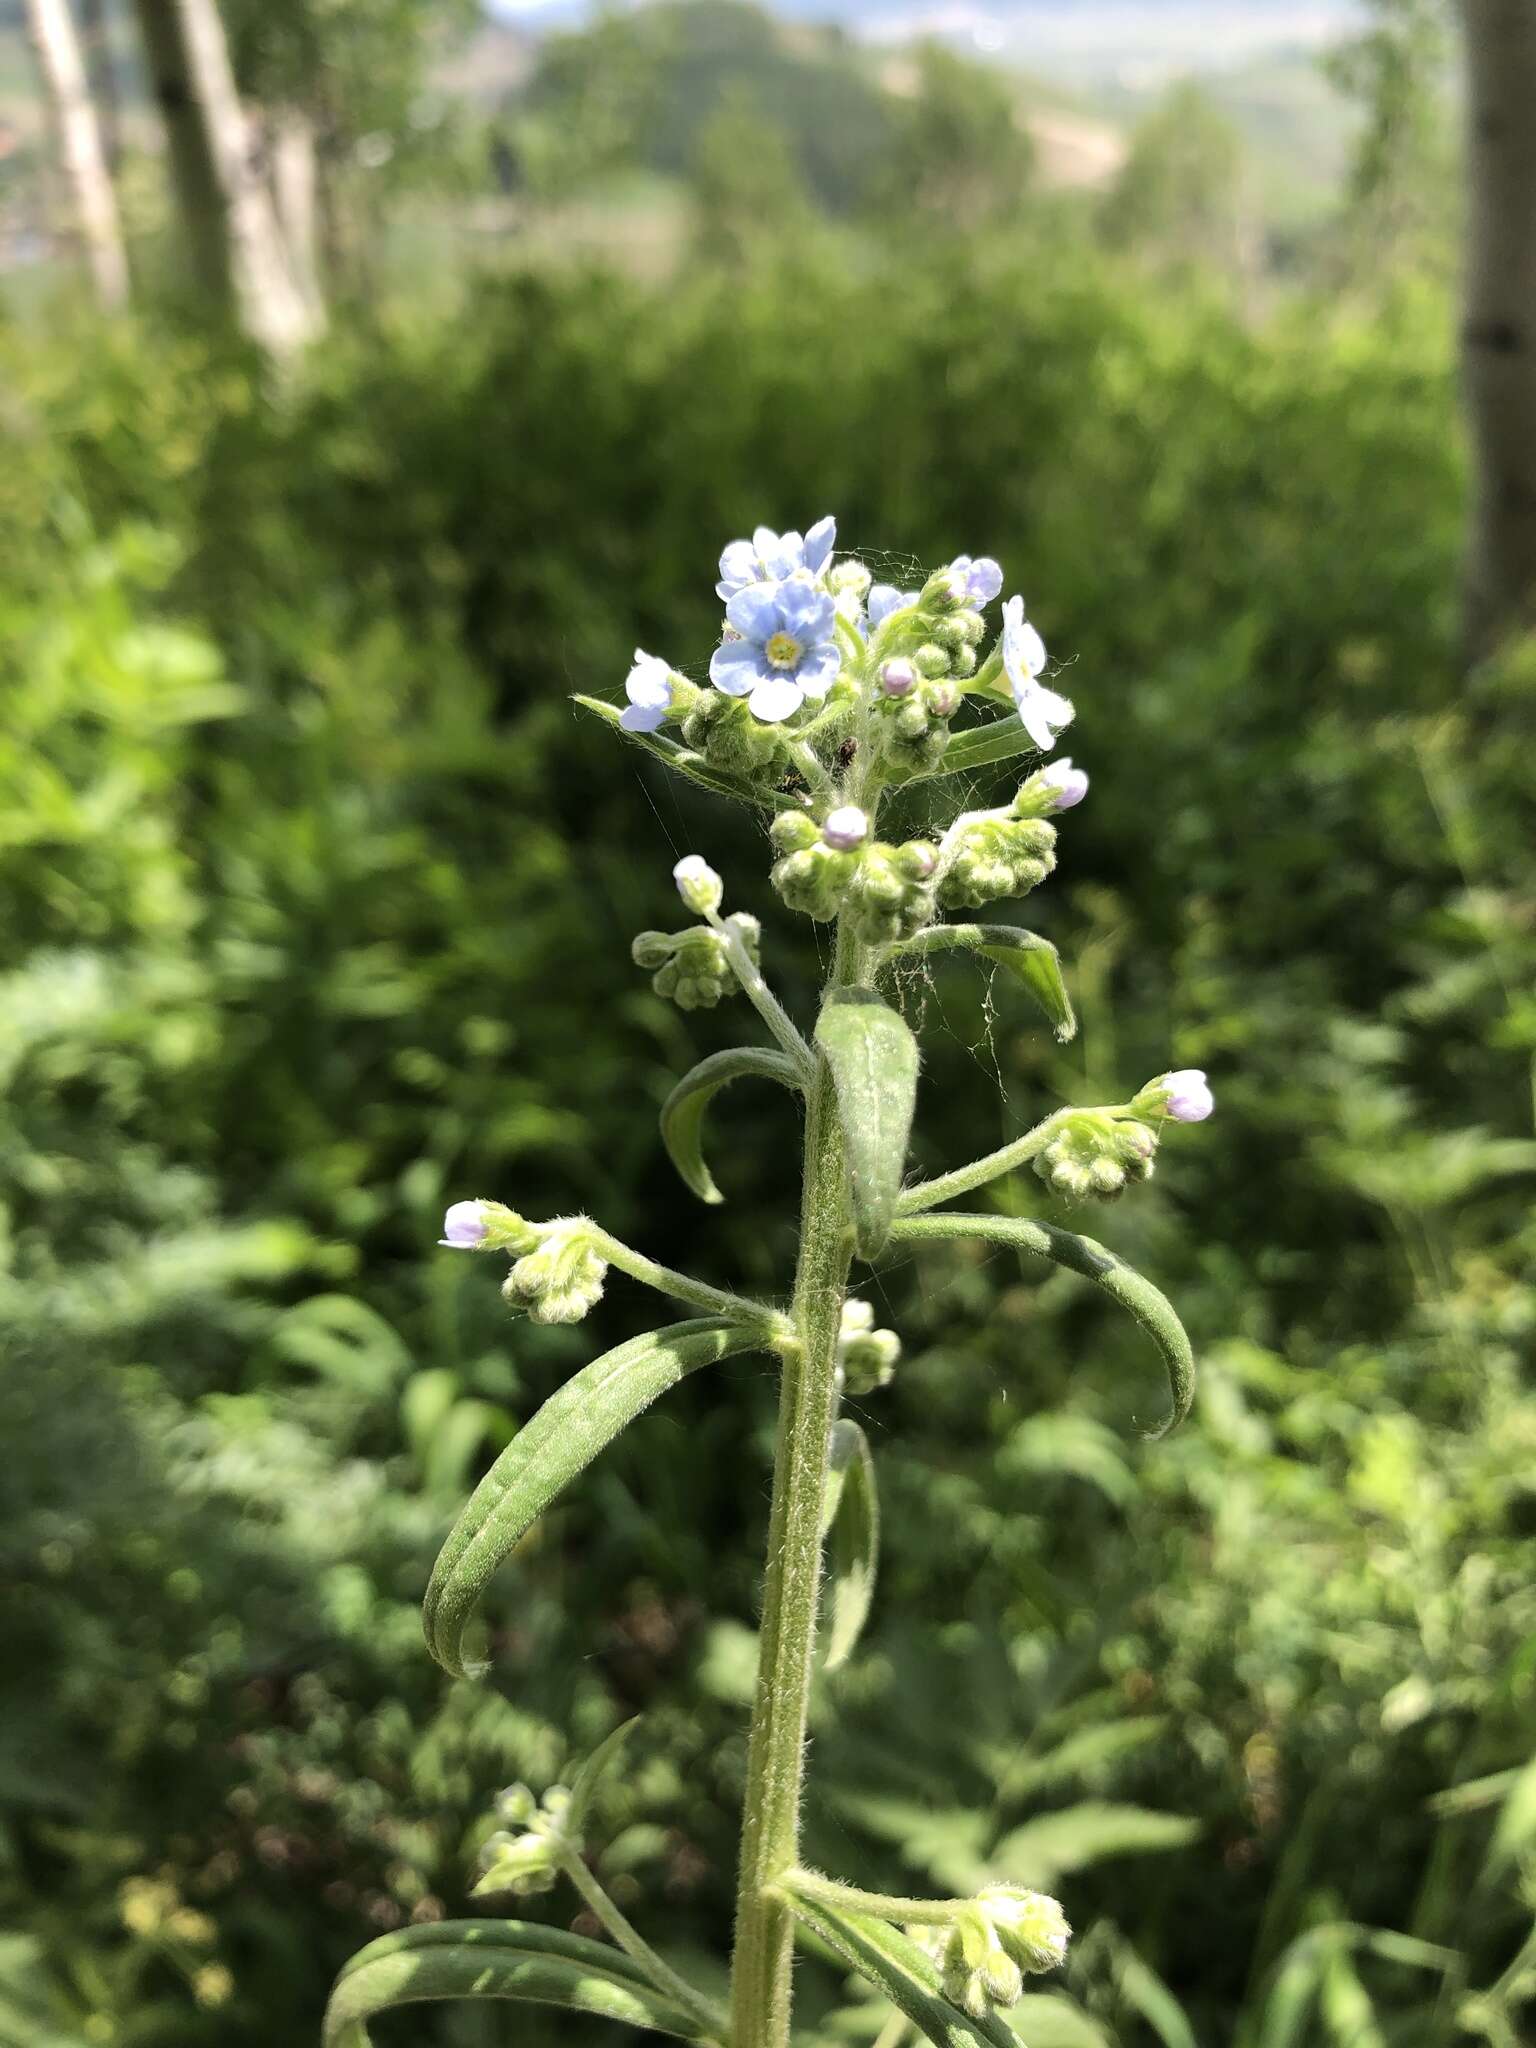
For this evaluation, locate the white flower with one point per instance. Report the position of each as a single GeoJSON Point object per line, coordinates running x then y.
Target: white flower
{"type": "Point", "coordinates": [1043, 713]}
{"type": "Point", "coordinates": [649, 689]}
{"type": "Point", "coordinates": [697, 883]}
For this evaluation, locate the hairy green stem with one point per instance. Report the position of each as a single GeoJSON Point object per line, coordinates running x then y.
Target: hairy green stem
{"type": "Point", "coordinates": [760, 1969]}
{"type": "Point", "coordinates": [848, 1898]}
{"type": "Point", "coordinates": [714, 1301]}
{"type": "Point", "coordinates": [712, 2022]}
{"type": "Point", "coordinates": [929, 1193]}
{"type": "Point", "coordinates": [761, 996]}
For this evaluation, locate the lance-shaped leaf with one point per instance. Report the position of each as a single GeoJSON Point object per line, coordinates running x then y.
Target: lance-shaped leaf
{"type": "Point", "coordinates": [1002, 739]}
{"type": "Point", "coordinates": [592, 1772]}
{"type": "Point", "coordinates": [895, 1965]}
{"type": "Point", "coordinates": [686, 760]}
{"type": "Point", "coordinates": [1148, 1304]}
{"type": "Point", "coordinates": [873, 1057]}
{"type": "Point", "coordinates": [852, 1517]}
{"type": "Point", "coordinates": [1032, 961]}
{"type": "Point", "coordinates": [495, 1959]}
{"type": "Point", "coordinates": [682, 1114]}
{"type": "Point", "coordinates": [559, 1441]}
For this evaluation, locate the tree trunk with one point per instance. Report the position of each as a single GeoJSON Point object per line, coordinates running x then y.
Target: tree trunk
{"type": "Point", "coordinates": [295, 194]}
{"type": "Point", "coordinates": [92, 198]}
{"type": "Point", "coordinates": [233, 238]}
{"type": "Point", "coordinates": [101, 76]}
{"type": "Point", "coordinates": [1499, 327]}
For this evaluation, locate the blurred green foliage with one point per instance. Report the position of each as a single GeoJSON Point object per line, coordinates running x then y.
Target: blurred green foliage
{"type": "Point", "coordinates": [315, 909]}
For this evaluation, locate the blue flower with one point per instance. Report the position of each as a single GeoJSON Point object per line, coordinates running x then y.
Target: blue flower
{"type": "Point", "coordinates": [770, 557]}
{"type": "Point", "coordinates": [1043, 713]}
{"type": "Point", "coordinates": [787, 650]}
{"type": "Point", "coordinates": [649, 689]}
{"type": "Point", "coordinates": [983, 578]}
{"type": "Point", "coordinates": [885, 598]}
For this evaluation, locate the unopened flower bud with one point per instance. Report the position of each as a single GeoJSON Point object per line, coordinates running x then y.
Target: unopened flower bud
{"type": "Point", "coordinates": [515, 1806]}
{"type": "Point", "coordinates": [487, 1227]}
{"type": "Point", "coordinates": [846, 828]}
{"type": "Point", "coordinates": [917, 859]}
{"type": "Point", "coordinates": [1001, 1935]}
{"type": "Point", "coordinates": [699, 886]}
{"type": "Point", "coordinates": [931, 659]}
{"type": "Point", "coordinates": [945, 591]}
{"type": "Point", "coordinates": [652, 949]}
{"type": "Point", "coordinates": [793, 832]}
{"type": "Point", "coordinates": [898, 678]}
{"type": "Point", "coordinates": [942, 698]}
{"type": "Point", "coordinates": [1030, 1925]}
{"type": "Point", "coordinates": [815, 880]}
{"type": "Point", "coordinates": [1184, 1095]}
{"type": "Point", "coordinates": [1095, 1154]}
{"type": "Point", "coordinates": [911, 721]}
{"type": "Point", "coordinates": [1056, 787]}
{"type": "Point", "coordinates": [963, 661]}
{"type": "Point", "coordinates": [998, 856]}
{"type": "Point", "coordinates": [849, 578]}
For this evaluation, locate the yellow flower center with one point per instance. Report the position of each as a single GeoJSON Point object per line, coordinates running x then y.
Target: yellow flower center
{"type": "Point", "coordinates": [782, 649]}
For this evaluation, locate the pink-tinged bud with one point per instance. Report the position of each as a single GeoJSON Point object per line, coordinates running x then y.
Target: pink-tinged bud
{"type": "Point", "coordinates": [898, 678]}
{"type": "Point", "coordinates": [1188, 1097]}
{"type": "Point", "coordinates": [1068, 785]}
{"type": "Point", "coordinates": [465, 1227]}
{"type": "Point", "coordinates": [846, 828]}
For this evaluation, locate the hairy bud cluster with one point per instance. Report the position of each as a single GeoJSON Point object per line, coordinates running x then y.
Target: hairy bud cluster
{"type": "Point", "coordinates": [997, 855]}
{"type": "Point", "coordinates": [822, 869]}
{"type": "Point", "coordinates": [914, 702]}
{"type": "Point", "coordinates": [866, 1357]}
{"type": "Point", "coordinates": [1095, 1154]}
{"type": "Point", "coordinates": [692, 968]}
{"type": "Point", "coordinates": [523, 1856]}
{"type": "Point", "coordinates": [1003, 1935]}
{"type": "Point", "coordinates": [562, 1278]}
{"type": "Point", "coordinates": [725, 732]}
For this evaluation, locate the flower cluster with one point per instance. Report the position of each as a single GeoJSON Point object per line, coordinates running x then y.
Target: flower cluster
{"type": "Point", "coordinates": [824, 869]}
{"type": "Point", "coordinates": [866, 1357]}
{"type": "Point", "coordinates": [1098, 1153]}
{"type": "Point", "coordinates": [807, 632]}
{"type": "Point", "coordinates": [1001, 1936]}
{"type": "Point", "coordinates": [557, 1274]}
{"type": "Point", "coordinates": [993, 856]}
{"type": "Point", "coordinates": [693, 968]}
{"type": "Point", "coordinates": [524, 1855]}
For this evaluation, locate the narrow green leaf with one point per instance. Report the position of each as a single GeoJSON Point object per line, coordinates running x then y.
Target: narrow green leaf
{"type": "Point", "coordinates": [1032, 961]}
{"type": "Point", "coordinates": [685, 760]}
{"type": "Point", "coordinates": [1146, 1993]}
{"type": "Point", "coordinates": [853, 1541]}
{"type": "Point", "coordinates": [682, 1114]}
{"type": "Point", "coordinates": [895, 1965]}
{"type": "Point", "coordinates": [1151, 1308]}
{"type": "Point", "coordinates": [1053, 1844]}
{"type": "Point", "coordinates": [494, 1959]}
{"type": "Point", "coordinates": [562, 1439]}
{"type": "Point", "coordinates": [593, 1771]}
{"type": "Point", "coordinates": [873, 1057]}
{"type": "Point", "coordinates": [1046, 2019]}
{"type": "Point", "coordinates": [1001, 739]}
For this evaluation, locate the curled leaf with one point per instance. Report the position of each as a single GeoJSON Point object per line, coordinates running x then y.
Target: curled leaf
{"type": "Point", "coordinates": [873, 1057]}
{"type": "Point", "coordinates": [1148, 1304]}
{"type": "Point", "coordinates": [494, 1959]}
{"type": "Point", "coordinates": [853, 1540]}
{"type": "Point", "coordinates": [683, 1112]}
{"type": "Point", "coordinates": [1032, 961]}
{"type": "Point", "coordinates": [562, 1439]}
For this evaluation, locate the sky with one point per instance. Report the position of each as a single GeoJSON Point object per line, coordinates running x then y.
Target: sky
{"type": "Point", "coordinates": [1065, 36]}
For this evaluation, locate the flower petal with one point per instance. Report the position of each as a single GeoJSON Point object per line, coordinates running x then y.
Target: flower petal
{"type": "Point", "coordinates": [755, 612]}
{"type": "Point", "coordinates": [776, 697]}
{"type": "Point", "coordinates": [736, 667]}
{"type": "Point", "coordinates": [641, 717]}
{"type": "Point", "coordinates": [818, 671]}
{"type": "Point", "coordinates": [808, 611]}
{"type": "Point", "coordinates": [818, 544]}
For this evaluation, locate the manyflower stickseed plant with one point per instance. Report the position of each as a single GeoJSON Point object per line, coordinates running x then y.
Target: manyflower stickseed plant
{"type": "Point", "coordinates": [830, 692]}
